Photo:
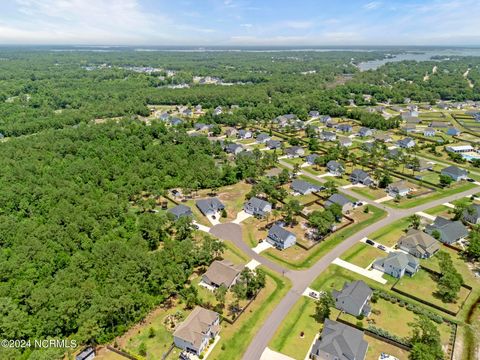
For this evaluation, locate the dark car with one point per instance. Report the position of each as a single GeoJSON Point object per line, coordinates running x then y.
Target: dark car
{"type": "Point", "coordinates": [370, 242]}
{"type": "Point", "coordinates": [195, 226]}
{"type": "Point", "coordinates": [470, 180]}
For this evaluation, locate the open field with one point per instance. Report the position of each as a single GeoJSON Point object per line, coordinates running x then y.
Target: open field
{"type": "Point", "coordinates": [362, 254]}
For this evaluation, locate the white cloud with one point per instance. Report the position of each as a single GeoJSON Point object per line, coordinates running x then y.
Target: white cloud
{"type": "Point", "coordinates": [372, 5]}
{"type": "Point", "coordinates": [248, 26]}
{"type": "Point", "coordinates": [298, 24]}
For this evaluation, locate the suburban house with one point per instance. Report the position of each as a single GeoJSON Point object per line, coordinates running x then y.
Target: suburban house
{"type": "Point", "coordinates": [345, 128]}
{"type": "Point", "coordinates": [429, 132]}
{"type": "Point", "coordinates": [313, 114]}
{"type": "Point", "coordinates": [398, 188]}
{"type": "Point", "coordinates": [363, 132]}
{"type": "Point", "coordinates": [472, 214]}
{"type": "Point", "coordinates": [325, 119]}
{"type": "Point", "coordinates": [209, 206]}
{"type": "Point", "coordinates": [294, 151]}
{"type": "Point", "coordinates": [262, 138]}
{"type": "Point", "coordinates": [328, 136]}
{"type": "Point", "coordinates": [303, 187]}
{"type": "Point", "coordinates": [459, 148]}
{"type": "Point", "coordinates": [453, 131]}
{"type": "Point", "coordinates": [455, 173]}
{"type": "Point", "coordinates": [394, 153]}
{"type": "Point", "coordinates": [180, 211]}
{"type": "Point", "coordinates": [345, 204]}
{"type": "Point", "coordinates": [244, 134]}
{"type": "Point", "coordinates": [339, 341]}
{"type": "Point", "coordinates": [335, 168]}
{"type": "Point", "coordinates": [353, 298]}
{"type": "Point", "coordinates": [406, 143]}
{"type": "Point", "coordinates": [175, 121]}
{"type": "Point", "coordinates": [397, 264]}
{"type": "Point", "coordinates": [201, 127]}
{"type": "Point", "coordinates": [222, 273]}
{"type": "Point", "coordinates": [409, 128]}
{"type": "Point", "coordinates": [359, 176]}
{"type": "Point", "coordinates": [423, 165]}
{"type": "Point", "coordinates": [383, 137]}
{"type": "Point", "coordinates": [233, 148]}
{"type": "Point", "coordinates": [230, 132]}
{"type": "Point", "coordinates": [257, 207]}
{"type": "Point", "coordinates": [418, 244]}
{"type": "Point", "coordinates": [450, 231]}
{"type": "Point", "coordinates": [194, 333]}
{"type": "Point", "coordinates": [311, 158]}
{"type": "Point", "coordinates": [218, 110]}
{"type": "Point", "coordinates": [345, 141]}
{"type": "Point", "coordinates": [280, 237]}
{"type": "Point", "coordinates": [164, 116]}
{"type": "Point", "coordinates": [274, 144]}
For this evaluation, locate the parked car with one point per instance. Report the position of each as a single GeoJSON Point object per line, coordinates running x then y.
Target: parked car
{"type": "Point", "coordinates": [370, 242]}
{"type": "Point", "coordinates": [470, 180]}
{"type": "Point", "coordinates": [195, 226]}
{"type": "Point", "coordinates": [381, 247]}
{"type": "Point", "coordinates": [313, 294]}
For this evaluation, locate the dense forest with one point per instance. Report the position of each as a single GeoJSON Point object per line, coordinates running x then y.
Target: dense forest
{"type": "Point", "coordinates": [80, 254]}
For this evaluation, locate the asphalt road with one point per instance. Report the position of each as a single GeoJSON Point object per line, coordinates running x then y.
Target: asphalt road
{"type": "Point", "coordinates": [302, 279]}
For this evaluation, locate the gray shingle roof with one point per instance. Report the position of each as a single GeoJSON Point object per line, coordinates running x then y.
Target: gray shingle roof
{"type": "Point", "coordinates": [302, 186]}
{"type": "Point", "coordinates": [337, 199]}
{"type": "Point", "coordinates": [450, 231]}
{"type": "Point", "coordinates": [180, 210]}
{"type": "Point", "coordinates": [278, 233]}
{"type": "Point", "coordinates": [354, 295]}
{"type": "Point", "coordinates": [207, 206]}
{"type": "Point", "coordinates": [340, 342]}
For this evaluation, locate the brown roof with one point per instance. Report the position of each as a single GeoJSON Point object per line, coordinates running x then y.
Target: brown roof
{"type": "Point", "coordinates": [194, 328]}
{"type": "Point", "coordinates": [223, 272]}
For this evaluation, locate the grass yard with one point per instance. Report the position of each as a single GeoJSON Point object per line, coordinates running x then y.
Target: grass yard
{"type": "Point", "coordinates": [390, 234]}
{"type": "Point", "coordinates": [297, 258]}
{"type": "Point", "coordinates": [254, 230]}
{"type": "Point", "coordinates": [395, 319]}
{"type": "Point", "coordinates": [409, 203]}
{"type": "Point", "coordinates": [362, 254]}
{"type": "Point", "coordinates": [288, 339]}
{"type": "Point", "coordinates": [377, 347]}
{"type": "Point", "coordinates": [236, 338]}
{"type": "Point", "coordinates": [440, 210]}
{"type": "Point", "coordinates": [424, 286]}
{"type": "Point", "coordinates": [369, 193]}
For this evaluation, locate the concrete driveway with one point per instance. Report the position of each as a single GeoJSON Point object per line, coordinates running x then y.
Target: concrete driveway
{"type": "Point", "coordinates": [241, 216]}
{"type": "Point", "coordinates": [373, 274]}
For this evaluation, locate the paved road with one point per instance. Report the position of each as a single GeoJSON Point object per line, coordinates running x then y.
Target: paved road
{"type": "Point", "coordinates": [302, 279]}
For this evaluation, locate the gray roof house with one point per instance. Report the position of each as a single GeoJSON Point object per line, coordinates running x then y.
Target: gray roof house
{"type": "Point", "coordinates": [335, 168]}
{"type": "Point", "coordinates": [281, 238]}
{"type": "Point", "coordinates": [340, 200]}
{"type": "Point", "coordinates": [450, 231]}
{"type": "Point", "coordinates": [455, 173]}
{"type": "Point", "coordinates": [353, 298]}
{"type": "Point", "coordinates": [359, 176]}
{"type": "Point", "coordinates": [398, 188]}
{"type": "Point", "coordinates": [180, 211]}
{"type": "Point", "coordinates": [345, 141]}
{"type": "Point", "coordinates": [339, 342]}
{"type": "Point", "coordinates": [406, 143]}
{"type": "Point", "coordinates": [363, 132]}
{"type": "Point", "coordinates": [313, 114]}
{"type": "Point", "coordinates": [472, 214]}
{"type": "Point", "coordinates": [257, 207]}
{"type": "Point", "coordinates": [311, 158]}
{"type": "Point", "coordinates": [294, 151]}
{"type": "Point", "coordinates": [86, 354]}
{"type": "Point", "coordinates": [231, 132]}
{"type": "Point", "coordinates": [429, 132]}
{"type": "Point", "coordinates": [418, 244]}
{"type": "Point", "coordinates": [325, 119]}
{"type": "Point", "coordinates": [262, 138]}
{"type": "Point", "coordinates": [233, 148]}
{"type": "Point", "coordinates": [200, 126]}
{"type": "Point", "coordinates": [176, 121]}
{"type": "Point", "coordinates": [345, 128]}
{"type": "Point", "coordinates": [274, 144]}
{"type": "Point", "coordinates": [453, 131]}
{"type": "Point", "coordinates": [328, 136]}
{"type": "Point", "coordinates": [222, 273]}
{"type": "Point", "coordinates": [209, 206]}
{"type": "Point", "coordinates": [303, 187]}
{"type": "Point", "coordinates": [194, 333]}
{"type": "Point", "coordinates": [397, 264]}
{"type": "Point", "coordinates": [244, 134]}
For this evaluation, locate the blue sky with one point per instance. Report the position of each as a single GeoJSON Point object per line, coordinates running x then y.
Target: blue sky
{"type": "Point", "coordinates": [240, 22]}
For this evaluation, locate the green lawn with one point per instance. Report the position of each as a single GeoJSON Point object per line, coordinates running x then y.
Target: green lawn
{"type": "Point", "coordinates": [438, 194]}
{"type": "Point", "coordinates": [423, 285]}
{"type": "Point", "coordinates": [236, 338]}
{"type": "Point", "coordinates": [377, 347]}
{"type": "Point", "coordinates": [389, 235]}
{"type": "Point", "coordinates": [291, 259]}
{"type": "Point", "coordinates": [288, 339]}
{"type": "Point", "coordinates": [362, 254]}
